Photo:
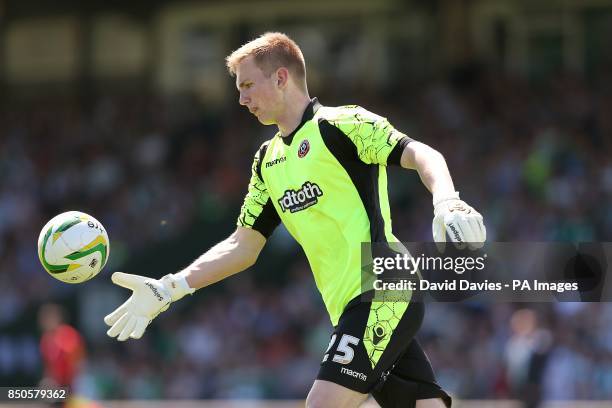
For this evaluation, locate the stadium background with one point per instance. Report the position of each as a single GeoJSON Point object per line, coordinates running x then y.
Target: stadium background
{"type": "Point", "coordinates": [124, 110]}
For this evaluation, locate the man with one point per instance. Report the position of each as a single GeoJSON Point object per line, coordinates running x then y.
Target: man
{"type": "Point", "coordinates": [62, 350]}
{"type": "Point", "coordinates": [322, 175]}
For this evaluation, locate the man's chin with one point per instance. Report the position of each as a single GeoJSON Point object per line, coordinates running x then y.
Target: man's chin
{"type": "Point", "coordinates": [266, 122]}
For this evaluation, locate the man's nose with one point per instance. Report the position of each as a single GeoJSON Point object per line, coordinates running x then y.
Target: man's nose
{"type": "Point", "coordinates": [243, 100]}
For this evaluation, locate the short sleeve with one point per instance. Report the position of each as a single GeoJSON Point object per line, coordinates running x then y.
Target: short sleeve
{"type": "Point", "coordinates": [376, 140]}
{"type": "Point", "coordinates": [257, 211]}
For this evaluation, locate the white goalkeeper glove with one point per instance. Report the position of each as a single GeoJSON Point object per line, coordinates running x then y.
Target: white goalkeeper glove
{"type": "Point", "coordinates": [463, 223]}
{"type": "Point", "coordinates": [149, 298]}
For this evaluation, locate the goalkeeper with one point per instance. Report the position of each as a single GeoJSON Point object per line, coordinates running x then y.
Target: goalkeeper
{"type": "Point", "coordinates": [323, 175]}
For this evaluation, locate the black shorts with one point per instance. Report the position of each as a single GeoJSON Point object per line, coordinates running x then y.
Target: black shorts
{"type": "Point", "coordinates": [375, 340]}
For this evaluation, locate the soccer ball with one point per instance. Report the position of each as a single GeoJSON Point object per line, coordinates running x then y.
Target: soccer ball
{"type": "Point", "coordinates": [73, 247]}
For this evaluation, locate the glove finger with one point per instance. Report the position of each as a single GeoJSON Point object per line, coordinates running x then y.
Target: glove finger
{"type": "Point", "coordinates": [459, 244]}
{"type": "Point", "coordinates": [127, 330]}
{"type": "Point", "coordinates": [112, 318]}
{"type": "Point", "coordinates": [139, 329]}
{"type": "Point", "coordinates": [469, 233]}
{"type": "Point", "coordinates": [118, 326]}
{"type": "Point", "coordinates": [476, 225]}
{"type": "Point", "coordinates": [127, 280]}
{"type": "Point", "coordinates": [483, 229]}
{"type": "Point", "coordinates": [439, 232]}
{"type": "Point", "coordinates": [454, 230]}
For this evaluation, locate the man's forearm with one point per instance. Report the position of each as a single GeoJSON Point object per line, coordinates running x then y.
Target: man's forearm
{"type": "Point", "coordinates": [228, 257]}
{"type": "Point", "coordinates": [462, 222]}
{"type": "Point", "coordinates": [431, 166]}
{"type": "Point", "coordinates": [150, 297]}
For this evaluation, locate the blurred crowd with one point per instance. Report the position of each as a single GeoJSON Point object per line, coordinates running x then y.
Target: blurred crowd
{"type": "Point", "coordinates": [533, 159]}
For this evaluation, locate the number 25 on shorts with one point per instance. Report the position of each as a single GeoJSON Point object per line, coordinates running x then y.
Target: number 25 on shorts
{"type": "Point", "coordinates": [346, 352]}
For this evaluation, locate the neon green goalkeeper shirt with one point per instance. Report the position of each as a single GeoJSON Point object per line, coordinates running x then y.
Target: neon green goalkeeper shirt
{"type": "Point", "coordinates": [327, 183]}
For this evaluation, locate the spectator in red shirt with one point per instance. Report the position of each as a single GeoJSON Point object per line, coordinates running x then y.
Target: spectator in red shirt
{"type": "Point", "coordinates": [61, 346]}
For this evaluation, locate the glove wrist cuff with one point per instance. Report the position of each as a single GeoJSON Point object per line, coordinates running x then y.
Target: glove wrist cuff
{"type": "Point", "coordinates": [440, 198]}
{"type": "Point", "coordinates": [177, 286]}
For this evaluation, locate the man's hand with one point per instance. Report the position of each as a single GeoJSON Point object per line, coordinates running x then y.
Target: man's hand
{"type": "Point", "coordinates": [463, 223]}
{"type": "Point", "coordinates": [149, 298]}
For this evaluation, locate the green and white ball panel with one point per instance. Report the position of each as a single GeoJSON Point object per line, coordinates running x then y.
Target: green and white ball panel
{"type": "Point", "coordinates": [73, 247]}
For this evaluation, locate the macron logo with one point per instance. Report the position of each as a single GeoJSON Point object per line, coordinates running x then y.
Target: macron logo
{"type": "Point", "coordinates": [355, 374]}
{"type": "Point", "coordinates": [275, 161]}
{"type": "Point", "coordinates": [298, 200]}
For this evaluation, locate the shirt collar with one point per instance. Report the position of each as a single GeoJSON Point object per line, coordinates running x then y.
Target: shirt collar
{"type": "Point", "coordinates": [312, 108]}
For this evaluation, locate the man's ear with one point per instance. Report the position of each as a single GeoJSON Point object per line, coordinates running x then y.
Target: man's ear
{"type": "Point", "coordinates": [282, 77]}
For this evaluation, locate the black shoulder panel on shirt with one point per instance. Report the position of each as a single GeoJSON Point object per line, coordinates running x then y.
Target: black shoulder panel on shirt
{"type": "Point", "coordinates": [262, 152]}
{"type": "Point", "coordinates": [364, 176]}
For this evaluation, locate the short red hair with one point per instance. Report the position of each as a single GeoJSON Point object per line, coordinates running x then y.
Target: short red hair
{"type": "Point", "coordinates": [271, 51]}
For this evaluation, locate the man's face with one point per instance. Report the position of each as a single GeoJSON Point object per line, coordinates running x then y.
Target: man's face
{"type": "Point", "coordinates": [259, 93]}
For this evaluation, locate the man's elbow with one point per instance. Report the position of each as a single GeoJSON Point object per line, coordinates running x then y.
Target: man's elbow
{"type": "Point", "coordinates": [249, 244]}
{"type": "Point", "coordinates": [436, 156]}
{"type": "Point", "coordinates": [417, 154]}
{"type": "Point", "coordinates": [250, 259]}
